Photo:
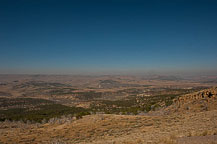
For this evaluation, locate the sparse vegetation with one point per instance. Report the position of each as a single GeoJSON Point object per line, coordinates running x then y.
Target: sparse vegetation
{"type": "Point", "coordinates": [134, 104]}
{"type": "Point", "coordinates": [101, 111]}
{"type": "Point", "coordinates": [42, 112]}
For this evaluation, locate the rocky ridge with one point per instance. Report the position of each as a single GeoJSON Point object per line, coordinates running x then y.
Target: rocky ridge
{"type": "Point", "coordinates": [204, 100]}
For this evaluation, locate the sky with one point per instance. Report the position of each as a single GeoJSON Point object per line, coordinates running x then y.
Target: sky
{"type": "Point", "coordinates": [108, 36]}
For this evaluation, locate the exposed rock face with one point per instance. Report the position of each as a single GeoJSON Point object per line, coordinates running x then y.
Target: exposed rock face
{"type": "Point", "coordinates": [204, 94]}
{"type": "Point", "coordinates": [204, 100]}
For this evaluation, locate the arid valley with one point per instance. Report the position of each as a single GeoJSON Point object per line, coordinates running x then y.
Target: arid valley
{"type": "Point", "coordinates": [108, 109]}
{"type": "Point", "coordinates": [108, 72]}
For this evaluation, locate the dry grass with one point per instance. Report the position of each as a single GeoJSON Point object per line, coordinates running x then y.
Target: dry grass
{"type": "Point", "coordinates": [113, 128]}
{"type": "Point", "coordinates": [169, 140]}
{"type": "Point", "coordinates": [108, 129]}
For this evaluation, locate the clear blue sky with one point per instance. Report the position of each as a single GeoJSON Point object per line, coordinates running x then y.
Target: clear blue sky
{"type": "Point", "coordinates": [78, 36]}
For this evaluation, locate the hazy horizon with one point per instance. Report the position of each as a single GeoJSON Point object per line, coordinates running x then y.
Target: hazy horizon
{"type": "Point", "coordinates": [108, 37]}
{"type": "Point", "coordinates": [116, 73]}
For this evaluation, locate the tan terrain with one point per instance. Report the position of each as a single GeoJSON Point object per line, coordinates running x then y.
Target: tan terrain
{"type": "Point", "coordinates": [191, 119]}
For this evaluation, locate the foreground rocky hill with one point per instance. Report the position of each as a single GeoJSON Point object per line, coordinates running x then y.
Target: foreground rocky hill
{"type": "Point", "coordinates": [204, 100]}
{"type": "Point", "coordinates": [191, 119]}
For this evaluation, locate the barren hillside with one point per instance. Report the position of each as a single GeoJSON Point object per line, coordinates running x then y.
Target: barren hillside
{"type": "Point", "coordinates": [185, 121]}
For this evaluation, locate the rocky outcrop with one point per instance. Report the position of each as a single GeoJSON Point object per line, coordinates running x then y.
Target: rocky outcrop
{"type": "Point", "coordinates": [207, 94]}
{"type": "Point", "coordinates": [198, 101]}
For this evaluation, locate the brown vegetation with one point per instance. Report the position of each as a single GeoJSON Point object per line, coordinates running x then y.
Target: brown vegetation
{"type": "Point", "coordinates": [177, 114]}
